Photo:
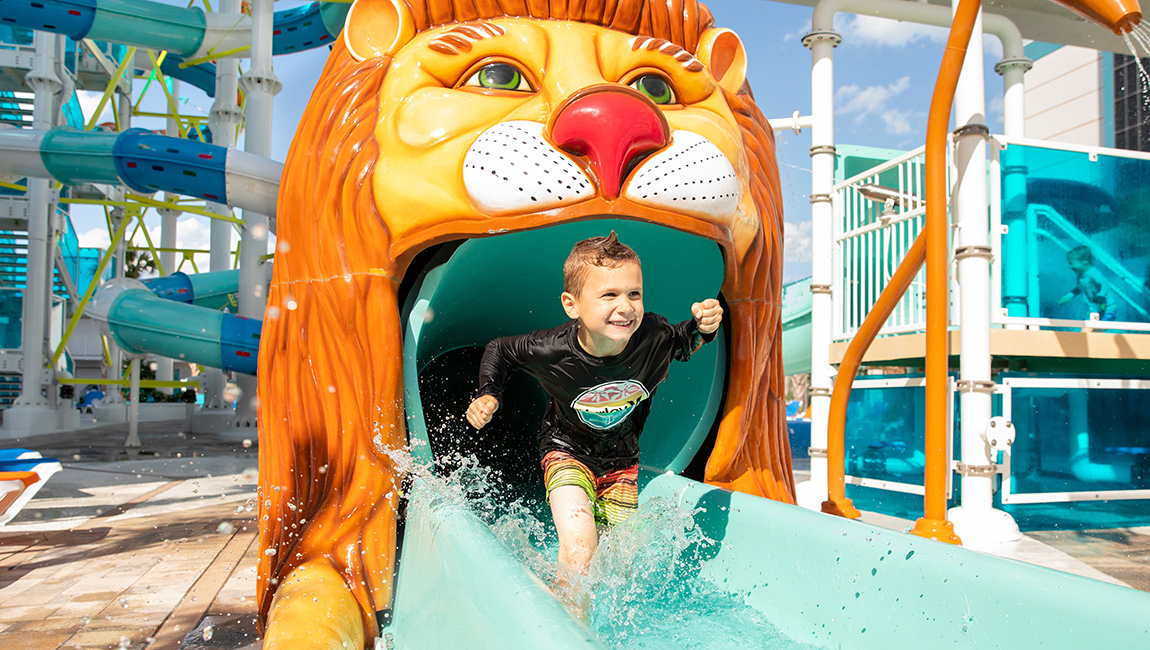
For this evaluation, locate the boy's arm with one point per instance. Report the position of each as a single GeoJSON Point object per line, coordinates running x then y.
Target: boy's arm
{"type": "Point", "coordinates": [500, 357]}
{"type": "Point", "coordinates": [690, 335]}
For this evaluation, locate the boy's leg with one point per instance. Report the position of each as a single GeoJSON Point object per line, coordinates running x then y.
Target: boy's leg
{"type": "Point", "coordinates": [575, 523]}
{"type": "Point", "coordinates": [570, 486]}
{"type": "Point", "coordinates": [578, 540]}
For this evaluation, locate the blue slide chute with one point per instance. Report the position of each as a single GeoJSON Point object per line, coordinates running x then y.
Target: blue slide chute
{"type": "Point", "coordinates": [148, 162]}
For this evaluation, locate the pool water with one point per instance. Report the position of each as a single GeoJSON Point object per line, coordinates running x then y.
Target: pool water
{"type": "Point", "coordinates": [644, 586]}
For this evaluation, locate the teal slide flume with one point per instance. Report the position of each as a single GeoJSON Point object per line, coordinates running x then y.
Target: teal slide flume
{"type": "Point", "coordinates": [164, 319]}
{"type": "Point", "coordinates": [821, 580]}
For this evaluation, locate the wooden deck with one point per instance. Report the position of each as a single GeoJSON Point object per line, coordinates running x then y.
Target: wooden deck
{"type": "Point", "coordinates": [157, 548]}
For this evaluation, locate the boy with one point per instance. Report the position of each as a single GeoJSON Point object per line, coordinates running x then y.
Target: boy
{"type": "Point", "coordinates": [600, 369]}
{"type": "Point", "coordinates": [1090, 284]}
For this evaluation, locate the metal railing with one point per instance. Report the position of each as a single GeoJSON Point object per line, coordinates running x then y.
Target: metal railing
{"type": "Point", "coordinates": [878, 214]}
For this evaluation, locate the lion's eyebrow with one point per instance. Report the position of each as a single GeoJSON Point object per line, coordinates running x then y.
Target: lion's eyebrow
{"type": "Point", "coordinates": [459, 39]}
{"type": "Point", "coordinates": [670, 49]}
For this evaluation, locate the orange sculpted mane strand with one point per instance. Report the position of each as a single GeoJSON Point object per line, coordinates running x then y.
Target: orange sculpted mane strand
{"type": "Point", "coordinates": [324, 374]}
{"type": "Point", "coordinates": [746, 457]}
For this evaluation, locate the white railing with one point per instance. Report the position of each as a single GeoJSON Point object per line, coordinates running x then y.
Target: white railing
{"type": "Point", "coordinates": [872, 236]}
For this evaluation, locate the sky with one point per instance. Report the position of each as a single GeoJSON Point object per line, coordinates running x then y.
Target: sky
{"type": "Point", "coordinates": [884, 77]}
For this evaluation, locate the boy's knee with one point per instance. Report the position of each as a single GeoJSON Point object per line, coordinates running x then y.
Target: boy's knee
{"type": "Point", "coordinates": [577, 556]}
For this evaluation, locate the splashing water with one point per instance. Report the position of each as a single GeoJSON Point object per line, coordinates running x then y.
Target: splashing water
{"type": "Point", "coordinates": [1138, 39]}
{"type": "Point", "coordinates": [644, 585]}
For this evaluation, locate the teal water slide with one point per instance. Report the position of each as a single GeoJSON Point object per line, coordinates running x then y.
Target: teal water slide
{"type": "Point", "coordinates": [820, 579]}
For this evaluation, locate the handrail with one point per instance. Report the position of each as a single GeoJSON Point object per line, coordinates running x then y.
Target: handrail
{"type": "Point", "coordinates": [837, 502]}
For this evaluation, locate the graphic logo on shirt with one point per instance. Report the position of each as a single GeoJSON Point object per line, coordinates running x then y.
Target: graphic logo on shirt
{"type": "Point", "coordinates": [607, 405]}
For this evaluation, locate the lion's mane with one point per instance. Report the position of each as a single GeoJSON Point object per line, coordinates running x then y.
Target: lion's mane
{"type": "Point", "coordinates": [330, 402]}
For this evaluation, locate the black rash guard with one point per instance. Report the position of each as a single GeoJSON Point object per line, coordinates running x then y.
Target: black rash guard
{"type": "Point", "coordinates": [598, 404]}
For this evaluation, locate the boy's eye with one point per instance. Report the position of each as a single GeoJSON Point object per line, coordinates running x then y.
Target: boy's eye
{"type": "Point", "coordinates": [499, 76]}
{"type": "Point", "coordinates": [655, 87]}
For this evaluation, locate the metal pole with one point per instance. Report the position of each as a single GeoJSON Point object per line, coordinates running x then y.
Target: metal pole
{"type": "Point", "coordinates": [134, 412]}
{"type": "Point", "coordinates": [31, 410]}
{"type": "Point", "coordinates": [822, 43]}
{"type": "Point", "coordinates": [225, 116]}
{"type": "Point", "coordinates": [261, 86]}
{"type": "Point", "coordinates": [976, 520]}
{"type": "Point", "coordinates": [169, 223]}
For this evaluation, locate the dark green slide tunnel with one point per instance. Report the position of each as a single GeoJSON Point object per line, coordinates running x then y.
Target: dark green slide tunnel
{"type": "Point", "coordinates": [467, 294]}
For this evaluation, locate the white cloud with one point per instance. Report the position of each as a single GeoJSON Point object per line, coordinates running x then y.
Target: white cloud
{"type": "Point", "coordinates": [797, 241]}
{"type": "Point", "coordinates": [800, 31]}
{"type": "Point", "coordinates": [873, 101]}
{"type": "Point", "coordinates": [94, 238]}
{"type": "Point", "coordinates": [864, 101]}
{"type": "Point", "coordinates": [897, 122]}
{"type": "Point", "coordinates": [996, 109]}
{"type": "Point", "coordinates": [88, 101]}
{"type": "Point", "coordinates": [879, 32]}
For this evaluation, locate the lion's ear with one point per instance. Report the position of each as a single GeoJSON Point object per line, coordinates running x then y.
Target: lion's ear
{"type": "Point", "coordinates": [377, 28]}
{"type": "Point", "coordinates": [723, 53]}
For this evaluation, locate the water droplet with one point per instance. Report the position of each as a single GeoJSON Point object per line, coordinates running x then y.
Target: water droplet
{"type": "Point", "coordinates": [271, 551]}
{"type": "Point", "coordinates": [125, 642]}
{"type": "Point", "coordinates": [208, 633]}
{"type": "Point", "coordinates": [225, 528]}
{"type": "Point", "coordinates": [124, 603]}
{"type": "Point", "coordinates": [247, 443]}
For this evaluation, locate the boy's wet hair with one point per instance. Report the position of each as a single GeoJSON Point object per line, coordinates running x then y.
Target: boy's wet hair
{"type": "Point", "coordinates": [607, 252]}
{"type": "Point", "coordinates": [1080, 254]}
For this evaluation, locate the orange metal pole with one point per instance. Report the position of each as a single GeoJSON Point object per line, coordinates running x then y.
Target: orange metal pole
{"type": "Point", "coordinates": [837, 502]}
{"type": "Point", "coordinates": [933, 523]}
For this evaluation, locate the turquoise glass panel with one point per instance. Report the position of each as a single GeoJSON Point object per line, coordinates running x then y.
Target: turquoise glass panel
{"type": "Point", "coordinates": [885, 437]}
{"type": "Point", "coordinates": [1077, 243]}
{"type": "Point", "coordinates": [1079, 439]}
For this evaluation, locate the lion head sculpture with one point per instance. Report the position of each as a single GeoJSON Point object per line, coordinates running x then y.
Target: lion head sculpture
{"type": "Point", "coordinates": [444, 120]}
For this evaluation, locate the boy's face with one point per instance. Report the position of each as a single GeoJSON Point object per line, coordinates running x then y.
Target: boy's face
{"type": "Point", "coordinates": [610, 306]}
{"type": "Point", "coordinates": [1078, 265]}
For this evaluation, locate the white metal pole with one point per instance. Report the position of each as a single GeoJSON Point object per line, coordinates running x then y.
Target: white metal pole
{"type": "Point", "coordinates": [975, 521]}
{"type": "Point", "coordinates": [225, 116]}
{"type": "Point", "coordinates": [169, 223]}
{"type": "Point", "coordinates": [31, 410]}
{"type": "Point", "coordinates": [134, 411]}
{"type": "Point", "coordinates": [261, 86]}
{"type": "Point", "coordinates": [821, 42]}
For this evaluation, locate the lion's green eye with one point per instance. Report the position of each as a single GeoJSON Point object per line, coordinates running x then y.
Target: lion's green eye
{"type": "Point", "coordinates": [656, 88]}
{"type": "Point", "coordinates": [499, 76]}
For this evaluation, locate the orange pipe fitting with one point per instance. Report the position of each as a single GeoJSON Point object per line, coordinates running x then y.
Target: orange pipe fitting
{"type": "Point", "coordinates": [1119, 16]}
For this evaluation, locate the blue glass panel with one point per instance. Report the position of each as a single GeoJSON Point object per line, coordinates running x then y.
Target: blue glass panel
{"type": "Point", "coordinates": [1079, 439]}
{"type": "Point", "coordinates": [885, 437]}
{"type": "Point", "coordinates": [1076, 242]}
{"type": "Point", "coordinates": [11, 318]}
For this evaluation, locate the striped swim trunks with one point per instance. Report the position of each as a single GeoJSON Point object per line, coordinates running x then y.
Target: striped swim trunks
{"type": "Point", "coordinates": [614, 495]}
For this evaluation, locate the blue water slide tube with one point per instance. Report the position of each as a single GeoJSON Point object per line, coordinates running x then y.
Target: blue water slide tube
{"type": "Point", "coordinates": [144, 161]}
{"type": "Point", "coordinates": [190, 33]}
{"type": "Point", "coordinates": [141, 322]}
{"type": "Point", "coordinates": [216, 290]}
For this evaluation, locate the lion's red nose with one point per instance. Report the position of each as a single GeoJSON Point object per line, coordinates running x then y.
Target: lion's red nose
{"type": "Point", "coordinates": [613, 127]}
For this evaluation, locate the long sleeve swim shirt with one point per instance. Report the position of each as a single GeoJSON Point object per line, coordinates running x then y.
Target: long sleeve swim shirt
{"type": "Point", "coordinates": [598, 404]}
